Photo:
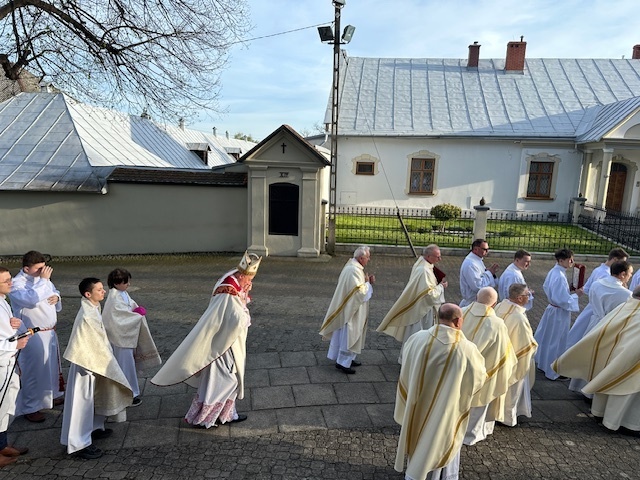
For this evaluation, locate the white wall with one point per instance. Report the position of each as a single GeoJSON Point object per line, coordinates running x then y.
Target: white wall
{"type": "Point", "coordinates": [130, 218]}
{"type": "Point", "coordinates": [466, 171]}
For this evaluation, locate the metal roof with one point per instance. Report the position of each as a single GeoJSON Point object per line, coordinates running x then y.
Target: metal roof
{"type": "Point", "coordinates": [441, 97]}
{"type": "Point", "coordinates": [51, 142]}
{"type": "Point", "coordinates": [602, 119]}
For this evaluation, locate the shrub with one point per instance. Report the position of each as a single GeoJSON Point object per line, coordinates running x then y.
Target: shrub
{"type": "Point", "coordinates": [445, 212]}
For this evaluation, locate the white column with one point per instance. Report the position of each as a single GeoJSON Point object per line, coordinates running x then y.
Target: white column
{"type": "Point", "coordinates": [257, 204]}
{"type": "Point", "coordinates": [480, 223]}
{"type": "Point", "coordinates": [310, 208]}
{"type": "Point", "coordinates": [607, 158]}
{"type": "Point", "coordinates": [586, 173]}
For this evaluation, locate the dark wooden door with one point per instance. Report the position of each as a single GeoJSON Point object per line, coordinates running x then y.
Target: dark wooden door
{"type": "Point", "coordinates": [615, 192]}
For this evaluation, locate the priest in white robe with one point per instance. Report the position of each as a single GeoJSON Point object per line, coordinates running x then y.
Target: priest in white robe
{"type": "Point", "coordinates": [517, 400]}
{"type": "Point", "coordinates": [96, 388]}
{"type": "Point", "coordinates": [635, 281]}
{"type": "Point", "coordinates": [126, 325]}
{"type": "Point", "coordinates": [473, 273]}
{"type": "Point", "coordinates": [553, 329]}
{"type": "Point", "coordinates": [608, 358]}
{"type": "Point", "coordinates": [513, 274]}
{"type": "Point", "coordinates": [489, 333]}
{"type": "Point", "coordinates": [9, 379]}
{"type": "Point", "coordinates": [441, 373]}
{"type": "Point", "coordinates": [36, 301]}
{"type": "Point", "coordinates": [605, 295]}
{"type": "Point", "coordinates": [346, 320]}
{"type": "Point", "coordinates": [418, 304]}
{"type": "Point", "coordinates": [212, 357]}
{"type": "Point", "coordinates": [580, 326]}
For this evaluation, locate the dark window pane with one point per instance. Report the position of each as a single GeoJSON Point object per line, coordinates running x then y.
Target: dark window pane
{"type": "Point", "coordinates": [283, 209]}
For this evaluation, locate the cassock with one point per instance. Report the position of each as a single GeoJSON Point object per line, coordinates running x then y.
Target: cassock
{"type": "Point", "coordinates": [580, 326]}
{"type": "Point", "coordinates": [9, 379]}
{"type": "Point", "coordinates": [474, 276]}
{"type": "Point", "coordinates": [96, 385]}
{"type": "Point", "coordinates": [416, 308]}
{"type": "Point", "coordinates": [39, 361]}
{"type": "Point", "coordinates": [212, 357]}
{"type": "Point", "coordinates": [441, 373]}
{"type": "Point", "coordinates": [604, 295]}
{"type": "Point", "coordinates": [608, 358]}
{"type": "Point", "coordinates": [346, 320]}
{"type": "Point", "coordinates": [512, 274]}
{"type": "Point", "coordinates": [553, 328]}
{"type": "Point", "coordinates": [129, 335]}
{"type": "Point", "coordinates": [517, 400]}
{"type": "Point", "coordinates": [489, 333]}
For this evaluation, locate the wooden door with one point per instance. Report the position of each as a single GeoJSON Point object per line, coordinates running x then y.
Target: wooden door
{"type": "Point", "coordinates": [615, 192]}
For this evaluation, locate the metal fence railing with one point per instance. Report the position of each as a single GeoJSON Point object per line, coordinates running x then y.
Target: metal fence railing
{"type": "Point", "coordinates": [505, 230]}
{"type": "Point", "coordinates": [618, 227]}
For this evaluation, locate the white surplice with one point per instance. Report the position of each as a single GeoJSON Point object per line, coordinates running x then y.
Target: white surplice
{"type": "Point", "coordinates": [512, 274]}
{"type": "Point", "coordinates": [9, 379]}
{"type": "Point", "coordinates": [39, 361]}
{"type": "Point", "coordinates": [635, 281]}
{"type": "Point", "coordinates": [474, 276]}
{"type": "Point", "coordinates": [553, 329]}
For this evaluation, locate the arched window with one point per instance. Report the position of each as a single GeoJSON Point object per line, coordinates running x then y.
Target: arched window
{"type": "Point", "coordinates": [283, 209]}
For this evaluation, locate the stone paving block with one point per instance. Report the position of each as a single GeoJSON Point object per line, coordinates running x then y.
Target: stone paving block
{"type": "Point", "coordinates": [263, 360]}
{"type": "Point", "coordinates": [366, 373]}
{"type": "Point", "coordinates": [43, 443]}
{"type": "Point", "coordinates": [256, 378]}
{"type": "Point", "coordinates": [356, 393]}
{"type": "Point", "coordinates": [244, 405]}
{"type": "Point", "coordinates": [321, 357]}
{"type": "Point", "coordinates": [372, 357]}
{"type": "Point", "coordinates": [561, 411]}
{"type": "Point", "coordinates": [190, 434]}
{"type": "Point", "coordinates": [52, 418]}
{"type": "Point", "coordinates": [175, 406]}
{"type": "Point", "coordinates": [272, 397]}
{"type": "Point", "coordinates": [298, 359]}
{"type": "Point", "coordinates": [391, 372]}
{"type": "Point", "coordinates": [381, 415]}
{"type": "Point", "coordinates": [386, 391]}
{"type": "Point", "coordinates": [326, 374]}
{"type": "Point", "coordinates": [257, 423]}
{"type": "Point", "coordinates": [117, 438]}
{"type": "Point", "coordinates": [288, 376]}
{"type": "Point", "coordinates": [392, 355]}
{"type": "Point", "coordinates": [320, 394]}
{"type": "Point", "coordinates": [146, 433]}
{"type": "Point", "coordinates": [553, 390]}
{"type": "Point", "coordinates": [151, 389]}
{"type": "Point", "coordinates": [346, 416]}
{"type": "Point", "coordinates": [148, 409]}
{"type": "Point", "coordinates": [300, 419]}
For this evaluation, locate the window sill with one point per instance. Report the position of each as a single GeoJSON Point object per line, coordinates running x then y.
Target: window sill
{"type": "Point", "coordinates": [543, 199]}
{"type": "Point", "coordinates": [422, 194]}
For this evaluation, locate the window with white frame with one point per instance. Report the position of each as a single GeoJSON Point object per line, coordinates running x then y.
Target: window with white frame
{"type": "Point", "coordinates": [365, 164]}
{"type": "Point", "coordinates": [422, 175]}
{"type": "Point", "coordinates": [542, 172]}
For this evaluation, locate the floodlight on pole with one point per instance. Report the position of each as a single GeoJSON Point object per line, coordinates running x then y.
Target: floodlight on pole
{"type": "Point", "coordinates": [348, 33]}
{"type": "Point", "coordinates": [326, 34]}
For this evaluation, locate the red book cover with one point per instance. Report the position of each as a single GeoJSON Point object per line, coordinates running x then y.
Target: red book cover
{"type": "Point", "coordinates": [439, 274]}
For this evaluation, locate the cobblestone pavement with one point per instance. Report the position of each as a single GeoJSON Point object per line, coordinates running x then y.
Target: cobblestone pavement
{"type": "Point", "coordinates": [306, 419]}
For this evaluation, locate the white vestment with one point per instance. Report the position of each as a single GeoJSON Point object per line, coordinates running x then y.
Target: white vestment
{"type": "Point", "coordinates": [39, 361]}
{"type": "Point", "coordinates": [608, 358]}
{"type": "Point", "coordinates": [473, 277]}
{"type": "Point", "coordinates": [212, 356]}
{"type": "Point", "coordinates": [346, 318]}
{"type": "Point", "coordinates": [553, 329]}
{"type": "Point", "coordinates": [512, 274]}
{"type": "Point", "coordinates": [517, 400]}
{"type": "Point", "coordinates": [604, 295]}
{"type": "Point", "coordinates": [9, 379]}
{"type": "Point", "coordinates": [441, 373]}
{"type": "Point", "coordinates": [416, 308]}
{"type": "Point", "coordinates": [635, 281]}
{"type": "Point", "coordinates": [129, 335]}
{"type": "Point", "coordinates": [579, 327]}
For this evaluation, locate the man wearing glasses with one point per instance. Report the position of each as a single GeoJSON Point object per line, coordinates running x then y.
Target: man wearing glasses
{"type": "Point", "coordinates": [474, 275]}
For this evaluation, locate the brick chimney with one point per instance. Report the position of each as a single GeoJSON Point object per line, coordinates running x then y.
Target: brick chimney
{"type": "Point", "coordinates": [515, 56]}
{"type": "Point", "coordinates": [474, 55]}
{"type": "Point", "coordinates": [636, 52]}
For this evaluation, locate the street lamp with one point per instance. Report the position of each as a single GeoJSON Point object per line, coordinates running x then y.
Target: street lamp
{"type": "Point", "coordinates": [327, 36]}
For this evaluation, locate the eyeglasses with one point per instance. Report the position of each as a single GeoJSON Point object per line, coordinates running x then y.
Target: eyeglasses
{"type": "Point", "coordinates": [8, 282]}
{"type": "Point", "coordinates": [484, 249]}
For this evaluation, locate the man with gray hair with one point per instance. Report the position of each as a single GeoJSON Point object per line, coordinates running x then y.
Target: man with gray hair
{"type": "Point", "coordinates": [484, 328]}
{"type": "Point", "coordinates": [346, 320]}
{"type": "Point", "coordinates": [517, 400]}
{"type": "Point", "coordinates": [417, 306]}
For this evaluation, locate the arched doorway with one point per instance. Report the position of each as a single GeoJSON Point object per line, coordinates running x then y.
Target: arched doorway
{"type": "Point", "coordinates": [615, 191]}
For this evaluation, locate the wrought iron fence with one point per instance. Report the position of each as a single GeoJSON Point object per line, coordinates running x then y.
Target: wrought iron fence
{"type": "Point", "coordinates": [506, 230]}
{"type": "Point", "coordinates": [620, 228]}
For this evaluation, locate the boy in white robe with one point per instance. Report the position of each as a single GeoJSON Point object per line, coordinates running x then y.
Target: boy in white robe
{"type": "Point", "coordinates": [97, 387]}
{"type": "Point", "coordinates": [513, 274]}
{"type": "Point", "coordinates": [126, 325]}
{"type": "Point", "coordinates": [9, 379]}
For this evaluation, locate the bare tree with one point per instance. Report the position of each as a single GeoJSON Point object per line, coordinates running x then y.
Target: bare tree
{"type": "Point", "coordinates": [164, 56]}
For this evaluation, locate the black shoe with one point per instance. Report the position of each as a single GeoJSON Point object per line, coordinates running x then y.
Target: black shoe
{"type": "Point", "coordinates": [98, 434]}
{"type": "Point", "coordinates": [136, 401]}
{"type": "Point", "coordinates": [241, 418]}
{"type": "Point", "coordinates": [355, 363]}
{"type": "Point", "coordinates": [90, 453]}
{"type": "Point", "coordinates": [347, 370]}
{"type": "Point", "coordinates": [562, 378]}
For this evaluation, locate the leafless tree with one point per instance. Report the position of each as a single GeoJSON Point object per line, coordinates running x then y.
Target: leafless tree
{"type": "Point", "coordinates": [164, 56]}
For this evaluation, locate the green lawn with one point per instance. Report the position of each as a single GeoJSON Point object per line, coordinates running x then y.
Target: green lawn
{"type": "Point", "coordinates": [501, 234]}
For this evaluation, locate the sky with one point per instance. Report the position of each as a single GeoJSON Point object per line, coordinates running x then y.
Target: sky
{"type": "Point", "coordinates": [286, 79]}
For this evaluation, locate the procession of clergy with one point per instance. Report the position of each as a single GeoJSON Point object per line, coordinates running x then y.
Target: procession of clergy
{"type": "Point", "coordinates": [464, 368]}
